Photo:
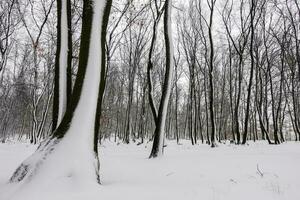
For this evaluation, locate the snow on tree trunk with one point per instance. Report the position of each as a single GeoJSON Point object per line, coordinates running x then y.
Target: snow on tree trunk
{"type": "Point", "coordinates": [70, 152]}
{"type": "Point", "coordinates": [63, 62]}
{"type": "Point", "coordinates": [159, 134]}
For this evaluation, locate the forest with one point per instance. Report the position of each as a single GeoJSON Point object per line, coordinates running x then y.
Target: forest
{"type": "Point", "coordinates": [79, 75]}
{"type": "Point", "coordinates": [234, 79]}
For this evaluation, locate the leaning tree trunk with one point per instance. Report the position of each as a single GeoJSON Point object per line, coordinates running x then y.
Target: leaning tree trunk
{"type": "Point", "coordinates": [157, 148]}
{"type": "Point", "coordinates": [70, 149]}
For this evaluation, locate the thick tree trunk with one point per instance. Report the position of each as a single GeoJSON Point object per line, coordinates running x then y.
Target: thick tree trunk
{"type": "Point", "coordinates": [76, 130]}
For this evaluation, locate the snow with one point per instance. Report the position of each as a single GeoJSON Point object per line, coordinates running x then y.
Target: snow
{"type": "Point", "coordinates": [63, 63]}
{"type": "Point", "coordinates": [256, 171]}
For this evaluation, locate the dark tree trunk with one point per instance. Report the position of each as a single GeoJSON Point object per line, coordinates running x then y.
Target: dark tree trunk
{"type": "Point", "coordinates": [252, 15]}
{"type": "Point", "coordinates": [103, 72]}
{"type": "Point", "coordinates": [70, 52]}
{"type": "Point", "coordinates": [58, 68]}
{"type": "Point", "coordinates": [157, 148]}
{"type": "Point", "coordinates": [210, 75]}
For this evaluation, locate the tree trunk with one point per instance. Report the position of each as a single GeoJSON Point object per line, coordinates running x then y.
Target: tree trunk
{"type": "Point", "coordinates": [252, 15]}
{"type": "Point", "coordinates": [76, 129]}
{"type": "Point", "coordinates": [157, 148]}
{"type": "Point", "coordinates": [211, 71]}
{"type": "Point", "coordinates": [63, 62]}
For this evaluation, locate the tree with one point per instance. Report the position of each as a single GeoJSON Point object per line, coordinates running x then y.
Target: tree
{"type": "Point", "coordinates": [239, 45]}
{"type": "Point", "coordinates": [158, 142]}
{"type": "Point", "coordinates": [211, 71]}
{"type": "Point", "coordinates": [134, 47]}
{"type": "Point", "coordinates": [76, 129]}
{"type": "Point", "coordinates": [252, 29]}
{"type": "Point", "coordinates": [63, 62]}
{"type": "Point", "coordinates": [8, 24]}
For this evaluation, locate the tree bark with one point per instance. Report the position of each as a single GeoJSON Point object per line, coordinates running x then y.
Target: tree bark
{"type": "Point", "coordinates": [158, 142]}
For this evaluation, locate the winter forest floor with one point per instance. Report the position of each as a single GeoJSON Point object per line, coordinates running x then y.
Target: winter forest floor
{"type": "Point", "coordinates": [186, 172]}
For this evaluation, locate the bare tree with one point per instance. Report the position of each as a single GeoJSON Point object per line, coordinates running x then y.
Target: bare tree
{"type": "Point", "coordinates": [159, 133]}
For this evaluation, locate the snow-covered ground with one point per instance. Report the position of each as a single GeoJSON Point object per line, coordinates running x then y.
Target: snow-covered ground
{"type": "Point", "coordinates": [257, 171]}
